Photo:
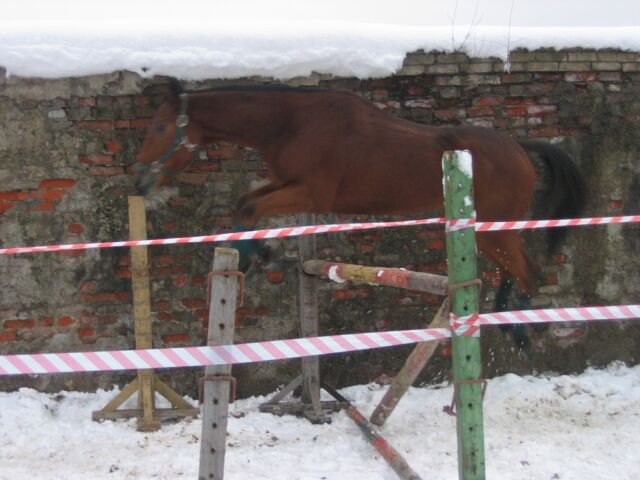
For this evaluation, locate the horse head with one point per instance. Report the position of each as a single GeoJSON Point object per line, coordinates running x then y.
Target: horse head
{"type": "Point", "coordinates": [169, 143]}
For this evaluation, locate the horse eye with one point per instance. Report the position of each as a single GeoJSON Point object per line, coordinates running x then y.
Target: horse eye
{"type": "Point", "coordinates": [160, 128]}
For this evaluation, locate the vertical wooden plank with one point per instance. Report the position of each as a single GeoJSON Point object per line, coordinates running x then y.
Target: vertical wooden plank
{"type": "Point", "coordinates": [142, 311]}
{"type": "Point", "coordinates": [308, 304]}
{"type": "Point", "coordinates": [461, 257]}
{"type": "Point", "coordinates": [222, 312]}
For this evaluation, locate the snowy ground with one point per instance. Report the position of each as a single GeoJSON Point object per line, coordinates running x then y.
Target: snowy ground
{"type": "Point", "coordinates": [551, 427]}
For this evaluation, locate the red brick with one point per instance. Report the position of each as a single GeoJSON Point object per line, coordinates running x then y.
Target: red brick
{"type": "Point", "coordinates": [49, 195]}
{"type": "Point", "coordinates": [96, 159]}
{"type": "Point", "coordinates": [580, 76]}
{"type": "Point", "coordinates": [163, 260]}
{"type": "Point", "coordinates": [113, 147]}
{"type": "Point", "coordinates": [437, 244]}
{"type": "Point", "coordinates": [198, 280]}
{"type": "Point", "coordinates": [42, 207]}
{"type": "Point", "coordinates": [141, 101]}
{"type": "Point", "coordinates": [86, 332]}
{"type": "Point", "coordinates": [480, 111]}
{"type": "Point", "coordinates": [541, 109]}
{"type": "Point", "coordinates": [123, 273]}
{"type": "Point", "coordinates": [180, 280]}
{"type": "Point", "coordinates": [488, 101]}
{"type": "Point", "coordinates": [212, 166]}
{"type": "Point", "coordinates": [15, 196]}
{"type": "Point", "coordinates": [105, 297]}
{"type": "Point", "coordinates": [88, 286]}
{"type": "Point", "coordinates": [57, 183]}
{"type": "Point", "coordinates": [517, 101]}
{"type": "Point", "coordinates": [559, 259]}
{"type": "Point", "coordinates": [87, 102]}
{"type": "Point", "coordinates": [616, 204]}
{"type": "Point", "coordinates": [121, 124]}
{"type": "Point", "coordinates": [5, 207]}
{"type": "Point", "coordinates": [95, 124]}
{"type": "Point", "coordinates": [366, 248]}
{"type": "Point", "coordinates": [194, 303]}
{"type": "Point", "coordinates": [162, 305]}
{"type": "Point", "coordinates": [174, 338]}
{"type": "Point", "coordinates": [66, 321]}
{"type": "Point", "coordinates": [275, 277]}
{"type": "Point", "coordinates": [143, 123]}
{"type": "Point", "coordinates": [544, 132]}
{"type": "Point", "coordinates": [45, 322]}
{"type": "Point", "coordinates": [76, 228]}
{"type": "Point", "coordinates": [168, 270]}
{"type": "Point", "coordinates": [343, 294]}
{"type": "Point", "coordinates": [106, 171]}
{"type": "Point", "coordinates": [449, 114]}
{"type": "Point", "coordinates": [515, 111]}
{"type": "Point", "coordinates": [8, 336]}
{"type": "Point", "coordinates": [165, 316]}
{"type": "Point", "coordinates": [71, 253]}
{"type": "Point", "coordinates": [552, 279]}
{"type": "Point", "coordinates": [16, 324]}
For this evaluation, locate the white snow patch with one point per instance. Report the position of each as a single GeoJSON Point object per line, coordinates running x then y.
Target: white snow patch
{"type": "Point", "coordinates": [333, 275]}
{"type": "Point", "coordinates": [196, 40]}
{"type": "Point", "coordinates": [568, 427]}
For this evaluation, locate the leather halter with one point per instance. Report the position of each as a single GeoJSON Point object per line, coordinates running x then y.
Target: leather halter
{"type": "Point", "coordinates": [181, 140]}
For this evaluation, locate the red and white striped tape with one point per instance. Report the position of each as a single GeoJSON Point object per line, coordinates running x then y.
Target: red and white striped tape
{"type": "Point", "coordinates": [332, 228]}
{"type": "Point", "coordinates": [287, 349]}
{"type": "Point", "coordinates": [216, 355]}
{"type": "Point", "coordinates": [224, 237]}
{"type": "Point", "coordinates": [468, 326]}
{"type": "Point", "coordinates": [569, 222]}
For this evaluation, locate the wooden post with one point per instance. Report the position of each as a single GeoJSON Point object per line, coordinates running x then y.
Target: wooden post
{"type": "Point", "coordinates": [146, 384]}
{"type": "Point", "coordinates": [217, 380]}
{"type": "Point", "coordinates": [308, 304]}
{"type": "Point", "coordinates": [142, 312]}
{"type": "Point", "coordinates": [461, 257]}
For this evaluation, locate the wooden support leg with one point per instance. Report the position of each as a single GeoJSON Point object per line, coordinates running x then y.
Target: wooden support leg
{"type": "Point", "coordinates": [416, 362]}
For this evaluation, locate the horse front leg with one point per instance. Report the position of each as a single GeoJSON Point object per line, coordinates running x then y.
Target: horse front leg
{"type": "Point", "coordinates": [270, 199]}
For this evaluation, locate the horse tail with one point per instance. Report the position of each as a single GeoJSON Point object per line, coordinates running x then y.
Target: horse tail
{"type": "Point", "coordinates": [566, 196]}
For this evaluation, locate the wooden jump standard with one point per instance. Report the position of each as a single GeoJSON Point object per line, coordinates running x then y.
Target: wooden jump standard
{"type": "Point", "coordinates": [400, 278]}
{"type": "Point", "coordinates": [146, 383]}
{"type": "Point", "coordinates": [463, 291]}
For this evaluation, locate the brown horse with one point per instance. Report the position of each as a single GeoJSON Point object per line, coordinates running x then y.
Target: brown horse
{"type": "Point", "coordinates": [333, 151]}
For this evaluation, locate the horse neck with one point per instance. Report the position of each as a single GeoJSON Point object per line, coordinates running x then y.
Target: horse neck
{"type": "Point", "coordinates": [252, 119]}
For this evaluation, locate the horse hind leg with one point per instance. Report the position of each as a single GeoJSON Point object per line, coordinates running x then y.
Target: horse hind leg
{"type": "Point", "coordinates": [505, 249]}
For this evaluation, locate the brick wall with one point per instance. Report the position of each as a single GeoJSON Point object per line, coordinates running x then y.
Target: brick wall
{"type": "Point", "coordinates": [65, 150]}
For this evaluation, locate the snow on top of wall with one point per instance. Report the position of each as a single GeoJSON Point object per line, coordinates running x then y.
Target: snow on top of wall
{"type": "Point", "coordinates": [193, 39]}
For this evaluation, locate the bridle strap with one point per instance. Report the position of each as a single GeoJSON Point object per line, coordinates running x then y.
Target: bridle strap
{"type": "Point", "coordinates": [180, 140]}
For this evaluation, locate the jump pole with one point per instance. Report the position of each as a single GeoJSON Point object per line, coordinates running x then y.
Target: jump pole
{"type": "Point", "coordinates": [461, 257]}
